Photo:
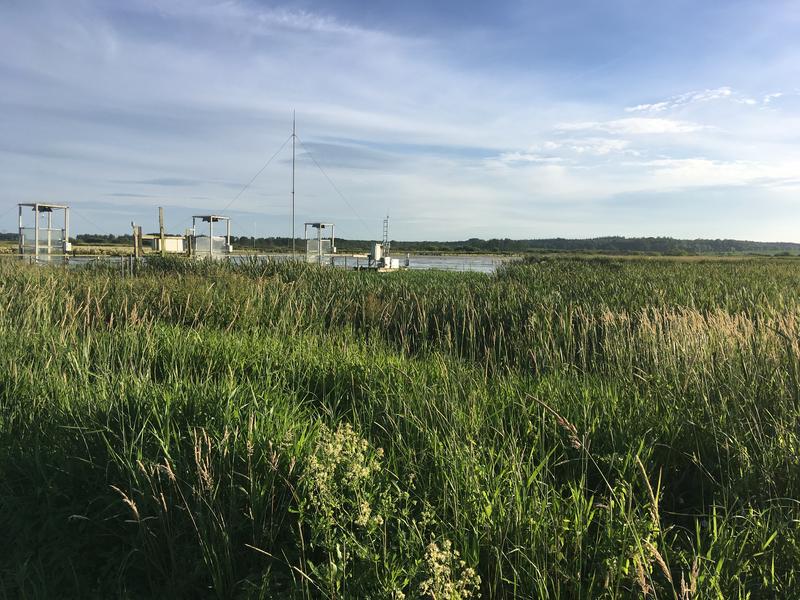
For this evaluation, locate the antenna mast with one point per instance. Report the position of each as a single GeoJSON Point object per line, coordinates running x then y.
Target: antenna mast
{"type": "Point", "coordinates": [294, 135]}
{"type": "Point", "coordinates": [386, 234]}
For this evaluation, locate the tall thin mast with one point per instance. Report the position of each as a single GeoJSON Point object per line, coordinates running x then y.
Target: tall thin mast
{"type": "Point", "coordinates": [293, 138]}
{"type": "Point", "coordinates": [386, 234]}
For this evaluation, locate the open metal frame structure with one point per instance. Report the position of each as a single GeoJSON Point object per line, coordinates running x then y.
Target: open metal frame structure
{"type": "Point", "coordinates": [210, 252]}
{"type": "Point", "coordinates": [46, 241]}
{"type": "Point", "coordinates": [322, 246]}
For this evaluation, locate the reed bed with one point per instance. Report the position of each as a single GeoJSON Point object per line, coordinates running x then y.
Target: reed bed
{"type": "Point", "coordinates": [561, 429]}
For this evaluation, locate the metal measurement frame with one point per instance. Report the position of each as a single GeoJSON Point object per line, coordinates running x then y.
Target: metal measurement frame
{"type": "Point", "coordinates": [43, 242]}
{"type": "Point", "coordinates": [320, 248]}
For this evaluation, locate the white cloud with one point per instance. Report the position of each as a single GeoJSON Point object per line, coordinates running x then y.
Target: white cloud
{"type": "Point", "coordinates": [654, 107]}
{"type": "Point", "coordinates": [634, 126]}
{"type": "Point", "coordinates": [568, 150]}
{"type": "Point", "coordinates": [252, 18]}
{"type": "Point", "coordinates": [703, 96]}
{"type": "Point", "coordinates": [699, 172]}
{"type": "Point", "coordinates": [685, 99]}
{"type": "Point", "coordinates": [597, 146]}
{"type": "Point", "coordinates": [526, 157]}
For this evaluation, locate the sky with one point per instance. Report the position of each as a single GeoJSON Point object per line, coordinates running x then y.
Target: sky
{"type": "Point", "coordinates": [512, 118]}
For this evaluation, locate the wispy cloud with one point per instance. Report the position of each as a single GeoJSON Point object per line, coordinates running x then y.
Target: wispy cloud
{"type": "Point", "coordinates": [597, 146]}
{"type": "Point", "coordinates": [699, 97]}
{"type": "Point", "coordinates": [671, 173]}
{"type": "Point", "coordinates": [166, 182]}
{"type": "Point", "coordinates": [567, 150]}
{"type": "Point", "coordinates": [525, 157]}
{"type": "Point", "coordinates": [634, 126]}
{"type": "Point", "coordinates": [685, 99]}
{"type": "Point", "coordinates": [262, 19]}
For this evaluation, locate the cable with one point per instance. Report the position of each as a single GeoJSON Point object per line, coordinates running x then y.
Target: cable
{"type": "Point", "coordinates": [247, 185]}
{"type": "Point", "coordinates": [6, 213]}
{"type": "Point", "coordinates": [93, 224]}
{"type": "Point", "coordinates": [333, 185]}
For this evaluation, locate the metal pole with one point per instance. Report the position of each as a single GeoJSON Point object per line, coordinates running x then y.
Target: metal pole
{"type": "Point", "coordinates": [66, 227]}
{"type": "Point", "coordinates": [21, 234]}
{"type": "Point", "coordinates": [293, 139]}
{"type": "Point", "coordinates": [210, 237]}
{"type": "Point", "coordinates": [49, 228]}
{"type": "Point", "coordinates": [36, 235]}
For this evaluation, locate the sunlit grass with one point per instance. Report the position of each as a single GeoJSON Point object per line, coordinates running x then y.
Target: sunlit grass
{"type": "Point", "coordinates": [566, 428]}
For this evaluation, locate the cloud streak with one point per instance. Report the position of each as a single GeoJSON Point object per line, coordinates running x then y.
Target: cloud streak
{"type": "Point", "coordinates": [690, 99]}
{"type": "Point", "coordinates": [684, 99]}
{"type": "Point", "coordinates": [635, 126]}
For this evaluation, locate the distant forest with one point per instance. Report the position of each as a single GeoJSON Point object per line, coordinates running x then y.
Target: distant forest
{"type": "Point", "coordinates": [607, 245]}
{"type": "Point", "coordinates": [613, 245]}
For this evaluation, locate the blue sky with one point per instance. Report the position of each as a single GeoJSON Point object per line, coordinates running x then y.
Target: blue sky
{"type": "Point", "coordinates": [504, 119]}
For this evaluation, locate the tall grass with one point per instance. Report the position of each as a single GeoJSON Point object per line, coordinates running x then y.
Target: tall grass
{"type": "Point", "coordinates": [565, 428]}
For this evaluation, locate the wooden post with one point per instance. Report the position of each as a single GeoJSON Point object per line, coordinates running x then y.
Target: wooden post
{"type": "Point", "coordinates": [135, 240]}
{"type": "Point", "coordinates": [161, 230]}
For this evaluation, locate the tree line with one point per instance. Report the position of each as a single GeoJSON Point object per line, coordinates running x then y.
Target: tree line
{"type": "Point", "coordinates": [611, 244]}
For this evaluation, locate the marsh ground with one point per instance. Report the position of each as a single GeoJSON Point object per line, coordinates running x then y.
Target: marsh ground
{"type": "Point", "coordinates": [563, 428]}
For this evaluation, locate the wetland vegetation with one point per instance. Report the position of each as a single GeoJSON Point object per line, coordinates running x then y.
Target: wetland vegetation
{"type": "Point", "coordinates": [563, 428]}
